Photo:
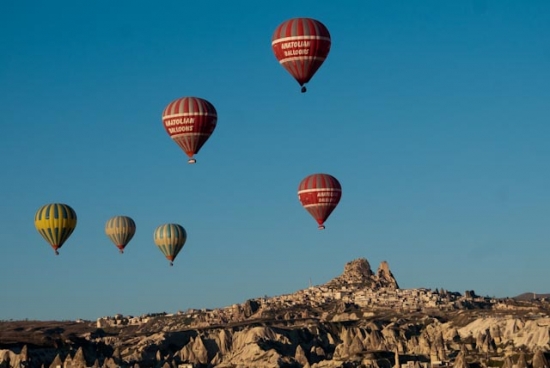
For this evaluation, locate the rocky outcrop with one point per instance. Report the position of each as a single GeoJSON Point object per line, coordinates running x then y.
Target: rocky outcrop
{"type": "Point", "coordinates": [57, 362]}
{"type": "Point", "coordinates": [19, 360]}
{"type": "Point", "coordinates": [539, 360]}
{"type": "Point", "coordinates": [460, 361]}
{"type": "Point", "coordinates": [508, 362]}
{"type": "Point", "coordinates": [300, 356]}
{"type": "Point", "coordinates": [522, 361]}
{"type": "Point", "coordinates": [358, 318]}
{"type": "Point", "coordinates": [531, 333]}
{"type": "Point", "coordinates": [310, 346]}
{"type": "Point", "coordinates": [385, 276]}
{"type": "Point", "coordinates": [320, 344]}
{"type": "Point", "coordinates": [332, 343]}
{"type": "Point", "coordinates": [79, 361]}
{"type": "Point", "coordinates": [5, 359]}
{"type": "Point", "coordinates": [358, 273]}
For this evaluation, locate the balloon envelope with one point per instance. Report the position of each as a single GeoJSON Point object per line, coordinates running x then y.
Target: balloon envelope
{"type": "Point", "coordinates": [301, 45]}
{"type": "Point", "coordinates": [55, 222]}
{"type": "Point", "coordinates": [319, 194]}
{"type": "Point", "coordinates": [120, 229]}
{"type": "Point", "coordinates": [190, 121]}
{"type": "Point", "coordinates": [170, 239]}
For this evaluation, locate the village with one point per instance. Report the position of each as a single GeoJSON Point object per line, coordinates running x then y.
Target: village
{"type": "Point", "coordinates": [318, 297]}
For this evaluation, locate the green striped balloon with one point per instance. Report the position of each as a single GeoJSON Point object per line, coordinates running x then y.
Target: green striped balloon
{"type": "Point", "coordinates": [170, 239]}
{"type": "Point", "coordinates": [120, 229]}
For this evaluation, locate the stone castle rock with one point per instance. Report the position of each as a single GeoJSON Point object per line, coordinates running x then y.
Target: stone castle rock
{"type": "Point", "coordinates": [358, 274]}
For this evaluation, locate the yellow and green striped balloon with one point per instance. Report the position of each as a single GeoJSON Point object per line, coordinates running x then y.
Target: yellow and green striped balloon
{"type": "Point", "coordinates": [170, 239]}
{"type": "Point", "coordinates": [55, 222]}
{"type": "Point", "coordinates": [120, 229]}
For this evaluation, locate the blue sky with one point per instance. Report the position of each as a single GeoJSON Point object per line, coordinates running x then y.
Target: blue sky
{"type": "Point", "coordinates": [433, 115]}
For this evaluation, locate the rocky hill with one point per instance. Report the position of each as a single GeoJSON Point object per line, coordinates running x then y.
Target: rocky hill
{"type": "Point", "coordinates": [359, 275]}
{"type": "Point", "coordinates": [358, 319]}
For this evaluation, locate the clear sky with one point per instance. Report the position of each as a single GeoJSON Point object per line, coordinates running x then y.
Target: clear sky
{"type": "Point", "coordinates": [434, 116]}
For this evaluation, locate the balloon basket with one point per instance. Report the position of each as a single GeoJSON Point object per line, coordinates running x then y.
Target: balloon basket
{"type": "Point", "coordinates": [321, 227]}
{"type": "Point", "coordinates": [192, 161]}
{"type": "Point", "coordinates": [304, 89]}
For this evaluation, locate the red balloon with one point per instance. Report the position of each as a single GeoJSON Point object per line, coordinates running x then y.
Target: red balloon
{"type": "Point", "coordinates": [190, 121]}
{"type": "Point", "coordinates": [320, 194]}
{"type": "Point", "coordinates": [301, 45]}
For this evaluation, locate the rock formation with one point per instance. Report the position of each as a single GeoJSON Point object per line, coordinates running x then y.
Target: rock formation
{"type": "Point", "coordinates": [358, 318]}
{"type": "Point", "coordinates": [78, 360]}
{"type": "Point", "coordinates": [522, 361]}
{"type": "Point", "coordinates": [358, 273]}
{"type": "Point", "coordinates": [57, 362]}
{"type": "Point", "coordinates": [508, 363]}
{"type": "Point", "coordinates": [385, 276]}
{"type": "Point", "coordinates": [5, 359]}
{"type": "Point", "coordinates": [539, 360]}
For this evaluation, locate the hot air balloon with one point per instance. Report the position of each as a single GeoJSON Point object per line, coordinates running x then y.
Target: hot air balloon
{"type": "Point", "coordinates": [120, 229]}
{"type": "Point", "coordinates": [301, 45]}
{"type": "Point", "coordinates": [190, 121]}
{"type": "Point", "coordinates": [170, 239]}
{"type": "Point", "coordinates": [55, 222]}
{"type": "Point", "coordinates": [320, 194]}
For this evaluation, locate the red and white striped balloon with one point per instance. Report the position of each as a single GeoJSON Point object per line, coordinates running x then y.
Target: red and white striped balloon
{"type": "Point", "coordinates": [190, 121]}
{"type": "Point", "coordinates": [301, 45]}
{"type": "Point", "coordinates": [319, 194]}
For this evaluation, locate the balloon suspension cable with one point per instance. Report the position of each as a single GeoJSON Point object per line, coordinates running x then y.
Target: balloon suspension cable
{"type": "Point", "coordinates": [304, 89]}
{"type": "Point", "coordinates": [321, 227]}
{"type": "Point", "coordinates": [192, 161]}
